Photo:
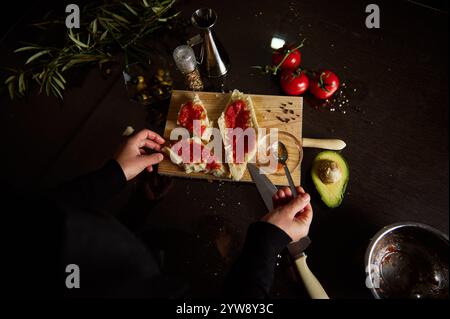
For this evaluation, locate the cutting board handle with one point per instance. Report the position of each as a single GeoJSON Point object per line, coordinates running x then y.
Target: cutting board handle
{"type": "Point", "coordinates": [328, 144]}
{"type": "Point", "coordinates": [313, 286]}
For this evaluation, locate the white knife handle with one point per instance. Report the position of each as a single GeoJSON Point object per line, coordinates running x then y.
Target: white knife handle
{"type": "Point", "coordinates": [327, 144]}
{"type": "Point", "coordinates": [313, 286]}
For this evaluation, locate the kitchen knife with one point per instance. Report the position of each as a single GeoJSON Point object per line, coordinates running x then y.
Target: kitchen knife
{"type": "Point", "coordinates": [263, 184]}
{"type": "Point", "coordinates": [296, 249]}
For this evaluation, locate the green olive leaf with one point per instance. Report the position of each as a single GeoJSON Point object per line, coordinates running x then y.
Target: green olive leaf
{"type": "Point", "coordinates": [60, 77]}
{"type": "Point", "coordinates": [47, 87]}
{"type": "Point", "coordinates": [103, 36]}
{"type": "Point", "coordinates": [156, 9]}
{"type": "Point", "coordinates": [120, 18]}
{"type": "Point", "coordinates": [36, 55]}
{"type": "Point", "coordinates": [77, 42]}
{"type": "Point", "coordinates": [56, 91]}
{"type": "Point", "coordinates": [9, 79]}
{"type": "Point", "coordinates": [130, 9]}
{"type": "Point", "coordinates": [22, 85]}
{"type": "Point", "coordinates": [94, 26]}
{"type": "Point", "coordinates": [11, 86]}
{"type": "Point", "coordinates": [59, 83]}
{"type": "Point", "coordinates": [27, 49]}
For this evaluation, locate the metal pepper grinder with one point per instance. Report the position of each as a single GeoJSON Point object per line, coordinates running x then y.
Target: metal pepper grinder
{"type": "Point", "coordinates": [214, 61]}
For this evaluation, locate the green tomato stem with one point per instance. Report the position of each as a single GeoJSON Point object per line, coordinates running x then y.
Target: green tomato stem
{"type": "Point", "coordinates": [279, 64]}
{"type": "Point", "coordinates": [275, 70]}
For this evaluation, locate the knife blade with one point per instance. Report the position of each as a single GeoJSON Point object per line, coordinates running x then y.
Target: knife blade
{"type": "Point", "coordinates": [263, 184]}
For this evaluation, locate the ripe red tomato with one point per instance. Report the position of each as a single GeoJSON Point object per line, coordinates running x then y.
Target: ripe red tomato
{"type": "Point", "coordinates": [294, 82]}
{"type": "Point", "coordinates": [324, 85]}
{"type": "Point", "coordinates": [292, 61]}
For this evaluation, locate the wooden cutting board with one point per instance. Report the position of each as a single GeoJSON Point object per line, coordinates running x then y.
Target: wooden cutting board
{"type": "Point", "coordinates": [282, 112]}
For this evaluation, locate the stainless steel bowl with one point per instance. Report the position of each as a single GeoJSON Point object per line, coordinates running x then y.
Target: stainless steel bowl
{"type": "Point", "coordinates": [408, 260]}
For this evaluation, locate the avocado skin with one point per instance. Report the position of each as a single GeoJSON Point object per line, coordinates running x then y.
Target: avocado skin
{"type": "Point", "coordinates": [331, 194]}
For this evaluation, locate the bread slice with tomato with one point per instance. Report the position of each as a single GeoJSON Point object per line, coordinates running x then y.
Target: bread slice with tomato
{"type": "Point", "coordinates": [195, 157]}
{"type": "Point", "coordinates": [195, 110]}
{"type": "Point", "coordinates": [238, 115]}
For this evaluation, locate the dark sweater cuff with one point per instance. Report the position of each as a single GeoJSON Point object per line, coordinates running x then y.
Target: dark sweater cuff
{"type": "Point", "coordinates": [114, 175]}
{"type": "Point", "coordinates": [266, 239]}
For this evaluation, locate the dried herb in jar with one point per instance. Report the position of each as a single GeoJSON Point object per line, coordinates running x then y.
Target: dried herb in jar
{"type": "Point", "coordinates": [185, 60]}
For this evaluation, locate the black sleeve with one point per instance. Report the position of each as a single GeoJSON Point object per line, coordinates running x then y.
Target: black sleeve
{"type": "Point", "coordinates": [90, 191]}
{"type": "Point", "coordinates": [252, 274]}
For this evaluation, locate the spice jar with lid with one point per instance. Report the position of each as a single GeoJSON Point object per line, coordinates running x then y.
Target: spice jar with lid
{"type": "Point", "coordinates": [186, 62]}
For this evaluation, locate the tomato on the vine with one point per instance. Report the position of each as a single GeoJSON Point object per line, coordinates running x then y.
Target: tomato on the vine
{"type": "Point", "coordinates": [292, 61]}
{"type": "Point", "coordinates": [294, 82]}
{"type": "Point", "coordinates": [323, 85]}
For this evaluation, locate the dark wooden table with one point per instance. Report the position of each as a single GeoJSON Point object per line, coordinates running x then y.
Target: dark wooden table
{"type": "Point", "coordinates": [396, 131]}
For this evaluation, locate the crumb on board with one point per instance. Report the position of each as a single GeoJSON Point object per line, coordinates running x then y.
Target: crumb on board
{"type": "Point", "coordinates": [283, 120]}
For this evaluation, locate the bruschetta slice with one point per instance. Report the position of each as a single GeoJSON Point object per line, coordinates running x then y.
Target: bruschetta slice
{"type": "Point", "coordinates": [194, 156]}
{"type": "Point", "coordinates": [191, 111]}
{"type": "Point", "coordinates": [240, 147]}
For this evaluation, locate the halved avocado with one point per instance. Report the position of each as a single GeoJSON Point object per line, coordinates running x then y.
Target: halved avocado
{"type": "Point", "coordinates": [330, 174]}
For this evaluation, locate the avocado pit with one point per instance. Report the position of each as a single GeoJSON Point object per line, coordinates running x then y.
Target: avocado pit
{"type": "Point", "coordinates": [329, 172]}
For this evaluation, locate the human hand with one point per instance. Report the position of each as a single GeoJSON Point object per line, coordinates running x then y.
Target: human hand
{"type": "Point", "coordinates": [292, 215]}
{"type": "Point", "coordinates": [132, 156]}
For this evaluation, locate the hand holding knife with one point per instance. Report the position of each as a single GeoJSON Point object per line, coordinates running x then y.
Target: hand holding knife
{"type": "Point", "coordinates": [296, 248]}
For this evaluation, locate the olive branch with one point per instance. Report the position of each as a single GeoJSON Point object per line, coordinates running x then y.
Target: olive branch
{"type": "Point", "coordinates": [112, 25]}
